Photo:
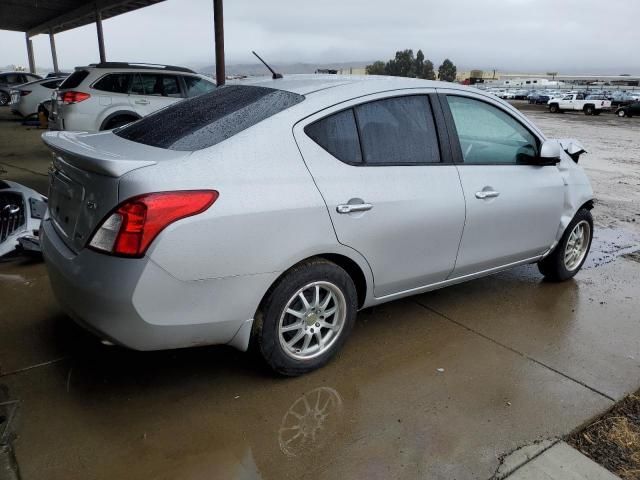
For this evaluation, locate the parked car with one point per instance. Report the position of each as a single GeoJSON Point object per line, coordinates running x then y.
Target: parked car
{"type": "Point", "coordinates": [9, 80]}
{"type": "Point", "coordinates": [26, 98]}
{"type": "Point", "coordinates": [619, 99]}
{"type": "Point", "coordinates": [629, 110]}
{"type": "Point", "coordinates": [107, 95]}
{"type": "Point", "coordinates": [578, 102]}
{"type": "Point", "coordinates": [270, 212]}
{"type": "Point", "coordinates": [542, 99]}
{"type": "Point", "coordinates": [21, 211]}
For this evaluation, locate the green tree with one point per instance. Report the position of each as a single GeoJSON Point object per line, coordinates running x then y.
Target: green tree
{"type": "Point", "coordinates": [376, 68]}
{"type": "Point", "coordinates": [447, 71]}
{"type": "Point", "coordinates": [427, 71]}
{"type": "Point", "coordinates": [403, 65]}
{"type": "Point", "coordinates": [419, 64]}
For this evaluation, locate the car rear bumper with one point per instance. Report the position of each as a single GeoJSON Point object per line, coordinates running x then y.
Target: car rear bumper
{"type": "Point", "coordinates": [137, 304]}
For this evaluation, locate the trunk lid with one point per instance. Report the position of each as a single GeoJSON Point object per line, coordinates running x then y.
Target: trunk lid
{"type": "Point", "coordinates": [84, 179]}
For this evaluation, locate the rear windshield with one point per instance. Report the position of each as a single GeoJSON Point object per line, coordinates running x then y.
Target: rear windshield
{"type": "Point", "coordinates": [208, 119]}
{"type": "Point", "coordinates": [75, 79]}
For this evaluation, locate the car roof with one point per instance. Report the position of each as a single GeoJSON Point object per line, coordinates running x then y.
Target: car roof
{"type": "Point", "coordinates": [308, 84]}
{"type": "Point", "coordinates": [134, 67]}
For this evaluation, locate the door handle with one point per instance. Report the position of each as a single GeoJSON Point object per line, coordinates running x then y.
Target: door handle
{"type": "Point", "coordinates": [356, 207]}
{"type": "Point", "coordinates": [142, 102]}
{"type": "Point", "coordinates": [487, 194]}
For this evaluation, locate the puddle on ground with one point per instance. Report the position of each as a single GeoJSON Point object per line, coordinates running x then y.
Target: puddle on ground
{"type": "Point", "coordinates": [611, 243]}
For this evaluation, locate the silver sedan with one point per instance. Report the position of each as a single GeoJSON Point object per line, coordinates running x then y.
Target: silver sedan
{"type": "Point", "coordinates": [268, 213]}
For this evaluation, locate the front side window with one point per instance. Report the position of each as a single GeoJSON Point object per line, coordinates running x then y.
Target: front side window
{"type": "Point", "coordinates": [197, 86]}
{"type": "Point", "coordinates": [398, 130]}
{"type": "Point", "coordinates": [114, 83]}
{"type": "Point", "coordinates": [488, 135]}
{"type": "Point", "coordinates": [338, 135]}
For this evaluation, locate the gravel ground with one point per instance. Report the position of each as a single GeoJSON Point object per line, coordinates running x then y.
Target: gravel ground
{"type": "Point", "coordinates": [612, 162]}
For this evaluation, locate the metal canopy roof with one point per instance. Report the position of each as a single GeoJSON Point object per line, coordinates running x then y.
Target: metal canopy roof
{"type": "Point", "coordinates": [43, 16]}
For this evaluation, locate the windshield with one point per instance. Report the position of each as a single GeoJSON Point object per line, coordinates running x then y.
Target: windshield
{"type": "Point", "coordinates": [208, 119]}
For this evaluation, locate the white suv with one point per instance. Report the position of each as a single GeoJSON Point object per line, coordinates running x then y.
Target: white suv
{"type": "Point", "coordinates": [107, 95]}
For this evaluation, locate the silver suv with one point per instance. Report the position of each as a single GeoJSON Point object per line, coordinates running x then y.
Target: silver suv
{"type": "Point", "coordinates": [271, 212]}
{"type": "Point", "coordinates": [104, 96]}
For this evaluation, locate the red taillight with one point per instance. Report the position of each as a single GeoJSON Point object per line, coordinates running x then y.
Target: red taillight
{"type": "Point", "coordinates": [73, 97]}
{"type": "Point", "coordinates": [24, 92]}
{"type": "Point", "coordinates": [131, 228]}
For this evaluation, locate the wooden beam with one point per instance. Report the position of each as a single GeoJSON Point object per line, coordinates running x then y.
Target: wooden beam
{"type": "Point", "coordinates": [103, 56]}
{"type": "Point", "coordinates": [54, 55]}
{"type": "Point", "coordinates": [32, 60]}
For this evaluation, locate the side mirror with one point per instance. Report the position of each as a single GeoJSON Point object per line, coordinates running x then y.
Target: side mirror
{"type": "Point", "coordinates": [550, 152]}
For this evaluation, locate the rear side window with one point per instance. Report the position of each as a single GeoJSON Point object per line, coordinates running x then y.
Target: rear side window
{"type": "Point", "coordinates": [393, 131]}
{"type": "Point", "coordinates": [197, 86]}
{"type": "Point", "coordinates": [75, 79]}
{"type": "Point", "coordinates": [12, 78]}
{"type": "Point", "coordinates": [338, 135]}
{"type": "Point", "coordinates": [51, 84]}
{"type": "Point", "coordinates": [208, 119]}
{"type": "Point", "coordinates": [398, 131]}
{"type": "Point", "coordinates": [114, 83]}
{"type": "Point", "coordinates": [156, 85]}
{"type": "Point", "coordinates": [170, 86]}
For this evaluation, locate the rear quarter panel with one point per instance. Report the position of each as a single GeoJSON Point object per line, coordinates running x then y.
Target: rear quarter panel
{"type": "Point", "coordinates": [269, 214]}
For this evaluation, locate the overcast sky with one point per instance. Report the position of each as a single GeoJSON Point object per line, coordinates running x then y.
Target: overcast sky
{"type": "Point", "coordinates": [571, 36]}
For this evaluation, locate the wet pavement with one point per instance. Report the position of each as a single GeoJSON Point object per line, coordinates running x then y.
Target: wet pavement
{"type": "Point", "coordinates": [441, 385]}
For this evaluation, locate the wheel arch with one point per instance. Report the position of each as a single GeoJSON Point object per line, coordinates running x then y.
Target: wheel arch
{"type": "Point", "coordinates": [353, 269]}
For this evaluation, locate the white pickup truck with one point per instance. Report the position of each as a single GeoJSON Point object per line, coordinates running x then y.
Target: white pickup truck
{"type": "Point", "coordinates": [590, 105]}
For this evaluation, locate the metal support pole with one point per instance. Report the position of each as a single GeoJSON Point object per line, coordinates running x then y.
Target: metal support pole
{"type": "Point", "coordinates": [218, 27]}
{"type": "Point", "coordinates": [103, 56]}
{"type": "Point", "coordinates": [32, 61]}
{"type": "Point", "coordinates": [54, 55]}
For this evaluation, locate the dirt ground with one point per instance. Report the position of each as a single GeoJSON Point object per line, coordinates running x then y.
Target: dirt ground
{"type": "Point", "coordinates": [442, 385]}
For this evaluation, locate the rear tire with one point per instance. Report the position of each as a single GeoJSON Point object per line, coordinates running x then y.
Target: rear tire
{"type": "Point", "coordinates": [622, 113]}
{"type": "Point", "coordinates": [589, 109]}
{"type": "Point", "coordinates": [296, 336]}
{"type": "Point", "coordinates": [571, 252]}
{"type": "Point", "coordinates": [4, 99]}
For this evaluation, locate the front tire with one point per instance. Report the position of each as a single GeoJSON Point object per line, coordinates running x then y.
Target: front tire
{"type": "Point", "coordinates": [554, 108]}
{"type": "Point", "coordinates": [4, 99]}
{"type": "Point", "coordinates": [622, 113]}
{"type": "Point", "coordinates": [571, 252]}
{"type": "Point", "coordinates": [306, 317]}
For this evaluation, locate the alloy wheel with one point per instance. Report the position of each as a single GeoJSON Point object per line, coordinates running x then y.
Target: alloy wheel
{"type": "Point", "coordinates": [577, 245]}
{"type": "Point", "coordinates": [312, 320]}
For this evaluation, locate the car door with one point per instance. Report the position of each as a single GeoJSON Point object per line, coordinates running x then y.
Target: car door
{"type": "Point", "coordinates": [153, 91]}
{"type": "Point", "coordinates": [391, 192]}
{"type": "Point", "coordinates": [112, 93]}
{"type": "Point", "coordinates": [513, 206]}
{"type": "Point", "coordinates": [566, 102]}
